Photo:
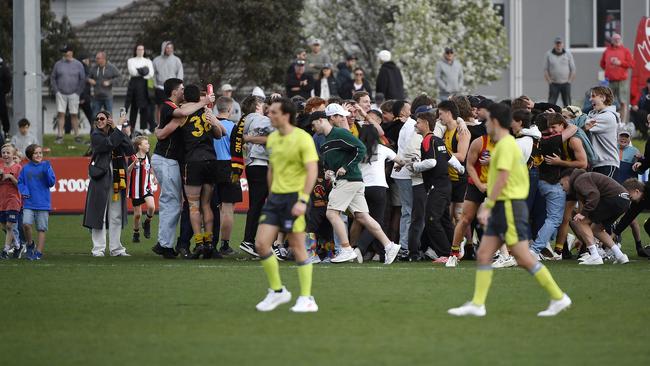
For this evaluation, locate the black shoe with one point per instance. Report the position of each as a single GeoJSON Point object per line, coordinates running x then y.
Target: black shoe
{"type": "Point", "coordinates": [643, 252]}
{"type": "Point", "coordinates": [169, 253]}
{"type": "Point", "coordinates": [216, 254]}
{"type": "Point", "coordinates": [198, 251]}
{"type": "Point", "coordinates": [18, 252]}
{"type": "Point", "coordinates": [158, 249]}
{"type": "Point", "coordinates": [208, 251]}
{"type": "Point", "coordinates": [566, 253]}
{"type": "Point", "coordinates": [136, 237]}
{"type": "Point", "coordinates": [146, 225]}
{"type": "Point", "coordinates": [248, 248]}
{"type": "Point", "coordinates": [226, 249]}
{"type": "Point", "coordinates": [184, 252]}
{"type": "Point", "coordinates": [470, 255]}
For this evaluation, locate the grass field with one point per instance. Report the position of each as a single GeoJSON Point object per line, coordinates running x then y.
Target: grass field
{"type": "Point", "coordinates": [72, 309]}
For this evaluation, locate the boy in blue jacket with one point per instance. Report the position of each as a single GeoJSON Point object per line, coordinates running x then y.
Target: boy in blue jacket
{"type": "Point", "coordinates": [34, 184]}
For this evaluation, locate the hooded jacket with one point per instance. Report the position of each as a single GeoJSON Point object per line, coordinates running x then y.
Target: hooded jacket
{"type": "Point", "coordinates": [604, 138]}
{"type": "Point", "coordinates": [591, 187]}
{"type": "Point", "coordinates": [100, 74]}
{"type": "Point", "coordinates": [166, 67]}
{"type": "Point", "coordinates": [390, 82]}
{"type": "Point", "coordinates": [449, 77]}
{"type": "Point", "coordinates": [616, 72]}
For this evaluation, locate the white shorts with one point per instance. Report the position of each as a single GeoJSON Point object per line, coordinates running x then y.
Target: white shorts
{"type": "Point", "coordinates": [71, 101]}
{"type": "Point", "coordinates": [346, 194]}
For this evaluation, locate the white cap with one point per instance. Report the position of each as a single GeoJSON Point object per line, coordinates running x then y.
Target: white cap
{"type": "Point", "coordinates": [226, 87]}
{"type": "Point", "coordinates": [258, 92]}
{"type": "Point", "coordinates": [384, 55]}
{"type": "Point", "coordinates": [336, 109]}
{"type": "Point", "coordinates": [315, 41]}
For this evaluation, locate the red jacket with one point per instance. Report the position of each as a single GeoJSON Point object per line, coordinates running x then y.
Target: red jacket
{"type": "Point", "coordinates": [616, 72]}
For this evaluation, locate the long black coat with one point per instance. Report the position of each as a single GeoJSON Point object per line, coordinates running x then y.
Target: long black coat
{"type": "Point", "coordinates": [137, 94]}
{"type": "Point", "coordinates": [390, 82]}
{"type": "Point", "coordinates": [99, 190]}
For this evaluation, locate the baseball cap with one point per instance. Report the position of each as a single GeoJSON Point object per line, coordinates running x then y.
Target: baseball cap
{"type": "Point", "coordinates": [351, 57]}
{"type": "Point", "coordinates": [449, 50]}
{"type": "Point", "coordinates": [327, 65]}
{"type": "Point", "coordinates": [336, 109]}
{"type": "Point", "coordinates": [422, 109]}
{"type": "Point", "coordinates": [300, 62]}
{"type": "Point", "coordinates": [226, 87]}
{"type": "Point", "coordinates": [315, 41]}
{"type": "Point", "coordinates": [317, 115]}
{"type": "Point", "coordinates": [623, 131]}
{"type": "Point", "coordinates": [66, 48]}
{"type": "Point", "coordinates": [558, 40]}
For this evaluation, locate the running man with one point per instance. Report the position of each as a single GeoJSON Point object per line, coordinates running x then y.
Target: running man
{"type": "Point", "coordinates": [293, 169]}
{"type": "Point", "coordinates": [505, 215]}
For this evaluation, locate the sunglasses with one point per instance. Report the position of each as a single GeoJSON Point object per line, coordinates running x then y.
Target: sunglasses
{"type": "Point", "coordinates": [100, 119]}
{"type": "Point", "coordinates": [358, 73]}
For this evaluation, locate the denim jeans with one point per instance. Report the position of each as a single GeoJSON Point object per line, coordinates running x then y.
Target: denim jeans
{"type": "Point", "coordinates": [405, 189]}
{"type": "Point", "coordinates": [555, 199]}
{"type": "Point", "coordinates": [168, 173]}
{"type": "Point", "coordinates": [105, 104]}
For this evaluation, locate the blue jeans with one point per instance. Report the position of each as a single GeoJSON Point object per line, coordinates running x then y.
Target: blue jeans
{"type": "Point", "coordinates": [405, 189]}
{"type": "Point", "coordinates": [555, 199]}
{"type": "Point", "coordinates": [105, 104]}
{"type": "Point", "coordinates": [168, 173]}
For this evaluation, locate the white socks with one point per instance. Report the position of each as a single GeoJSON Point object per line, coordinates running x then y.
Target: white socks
{"type": "Point", "coordinates": [617, 251]}
{"type": "Point", "coordinates": [593, 250]}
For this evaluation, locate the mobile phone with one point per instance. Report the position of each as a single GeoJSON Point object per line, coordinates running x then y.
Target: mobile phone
{"type": "Point", "coordinates": [122, 112]}
{"type": "Point", "coordinates": [210, 90]}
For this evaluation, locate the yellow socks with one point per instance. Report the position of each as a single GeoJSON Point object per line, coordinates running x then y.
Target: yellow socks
{"type": "Point", "coordinates": [207, 237]}
{"type": "Point", "coordinates": [198, 239]}
{"type": "Point", "coordinates": [272, 270]}
{"type": "Point", "coordinates": [543, 276]}
{"type": "Point", "coordinates": [304, 277]}
{"type": "Point", "coordinates": [482, 285]}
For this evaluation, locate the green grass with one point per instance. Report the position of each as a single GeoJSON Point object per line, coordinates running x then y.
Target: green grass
{"type": "Point", "coordinates": [73, 309]}
{"type": "Point", "coordinates": [70, 148]}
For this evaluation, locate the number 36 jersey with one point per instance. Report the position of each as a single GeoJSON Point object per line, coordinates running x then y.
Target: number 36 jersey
{"type": "Point", "coordinates": [197, 138]}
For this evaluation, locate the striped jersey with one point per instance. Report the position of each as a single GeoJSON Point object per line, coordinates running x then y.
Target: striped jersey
{"type": "Point", "coordinates": [140, 178]}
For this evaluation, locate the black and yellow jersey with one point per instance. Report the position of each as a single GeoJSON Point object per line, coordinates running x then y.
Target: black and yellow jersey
{"type": "Point", "coordinates": [197, 138]}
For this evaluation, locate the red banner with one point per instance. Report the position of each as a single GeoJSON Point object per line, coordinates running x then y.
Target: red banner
{"type": "Point", "coordinates": [69, 191]}
{"type": "Point", "coordinates": [641, 70]}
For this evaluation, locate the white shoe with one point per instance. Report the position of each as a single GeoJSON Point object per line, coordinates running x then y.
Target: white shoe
{"type": "Point", "coordinates": [314, 259]}
{"type": "Point", "coordinates": [391, 252]}
{"type": "Point", "coordinates": [468, 308]}
{"type": "Point", "coordinates": [357, 251]}
{"type": "Point", "coordinates": [431, 254]}
{"type": "Point", "coordinates": [584, 256]}
{"type": "Point", "coordinates": [556, 306]}
{"type": "Point", "coordinates": [274, 299]}
{"type": "Point", "coordinates": [622, 260]}
{"type": "Point", "coordinates": [452, 262]}
{"type": "Point", "coordinates": [100, 254]}
{"type": "Point", "coordinates": [345, 255]}
{"type": "Point", "coordinates": [534, 254]}
{"type": "Point", "coordinates": [305, 304]}
{"type": "Point", "coordinates": [462, 248]}
{"type": "Point", "coordinates": [376, 258]}
{"type": "Point", "coordinates": [121, 254]}
{"type": "Point", "coordinates": [592, 261]}
{"type": "Point", "coordinates": [510, 262]}
{"type": "Point", "coordinates": [570, 240]}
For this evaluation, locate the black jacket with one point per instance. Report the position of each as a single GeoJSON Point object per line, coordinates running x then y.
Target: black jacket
{"type": "Point", "coordinates": [346, 91]}
{"type": "Point", "coordinates": [635, 209]}
{"type": "Point", "coordinates": [5, 79]}
{"type": "Point", "coordinates": [331, 81]}
{"type": "Point", "coordinates": [344, 74]}
{"type": "Point", "coordinates": [390, 82]}
{"type": "Point", "coordinates": [294, 81]}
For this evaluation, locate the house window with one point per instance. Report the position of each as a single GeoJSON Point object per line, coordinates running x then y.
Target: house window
{"type": "Point", "coordinates": [592, 22]}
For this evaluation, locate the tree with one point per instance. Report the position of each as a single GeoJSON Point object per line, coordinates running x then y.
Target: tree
{"type": "Point", "coordinates": [244, 41]}
{"type": "Point", "coordinates": [423, 28]}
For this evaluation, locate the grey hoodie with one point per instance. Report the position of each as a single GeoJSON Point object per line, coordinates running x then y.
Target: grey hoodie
{"type": "Point", "coordinates": [604, 137]}
{"type": "Point", "coordinates": [166, 67]}
{"type": "Point", "coordinates": [257, 124]}
{"type": "Point", "coordinates": [108, 73]}
{"type": "Point", "coordinates": [449, 77]}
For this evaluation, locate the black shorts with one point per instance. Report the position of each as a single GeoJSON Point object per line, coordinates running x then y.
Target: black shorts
{"type": "Point", "coordinates": [224, 172]}
{"type": "Point", "coordinates": [609, 209]}
{"type": "Point", "coordinates": [160, 96]}
{"type": "Point", "coordinates": [474, 194]}
{"type": "Point", "coordinates": [140, 201]}
{"type": "Point", "coordinates": [509, 221]}
{"type": "Point", "coordinates": [318, 223]}
{"type": "Point", "coordinates": [608, 170]}
{"type": "Point", "coordinates": [228, 192]}
{"type": "Point", "coordinates": [458, 190]}
{"type": "Point", "coordinates": [197, 173]}
{"type": "Point", "coordinates": [277, 212]}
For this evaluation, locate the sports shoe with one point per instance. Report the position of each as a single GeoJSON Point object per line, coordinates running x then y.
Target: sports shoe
{"type": "Point", "coordinates": [314, 259]}
{"type": "Point", "coordinates": [169, 253]}
{"type": "Point", "coordinates": [146, 226]}
{"type": "Point", "coordinates": [158, 249]}
{"type": "Point", "coordinates": [622, 260]}
{"type": "Point", "coordinates": [550, 255]}
{"type": "Point", "coordinates": [4, 255]}
{"type": "Point", "coordinates": [30, 249]}
{"type": "Point", "coordinates": [452, 261]}
{"type": "Point", "coordinates": [97, 255]}
{"type": "Point", "coordinates": [184, 252]}
{"type": "Point", "coordinates": [403, 254]}
{"type": "Point", "coordinates": [78, 139]}
{"type": "Point", "coordinates": [391, 252]}
{"type": "Point", "coordinates": [441, 260]}
{"type": "Point", "coordinates": [570, 241]}
{"type": "Point", "coordinates": [376, 258]}
{"type": "Point", "coordinates": [431, 254]}
{"type": "Point", "coordinates": [248, 248]}
{"type": "Point", "coordinates": [198, 251]}
{"type": "Point", "coordinates": [305, 304]}
{"type": "Point", "coordinates": [58, 140]}
{"type": "Point", "coordinates": [357, 251]}
{"type": "Point", "coordinates": [20, 251]}
{"type": "Point", "coordinates": [226, 249]}
{"type": "Point", "coordinates": [347, 254]}
{"type": "Point", "coordinates": [592, 261]}
{"type": "Point", "coordinates": [461, 254]}
{"type": "Point", "coordinates": [278, 252]}
{"type": "Point", "coordinates": [583, 256]}
{"type": "Point", "coordinates": [468, 308]}
{"type": "Point", "coordinates": [121, 254]}
{"type": "Point", "coordinates": [136, 237]}
{"type": "Point", "coordinates": [274, 299]}
{"type": "Point", "coordinates": [556, 306]}
{"type": "Point", "coordinates": [36, 256]}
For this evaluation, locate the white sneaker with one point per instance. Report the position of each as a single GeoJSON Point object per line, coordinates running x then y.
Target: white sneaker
{"type": "Point", "coordinates": [535, 254]}
{"type": "Point", "coordinates": [376, 258]}
{"type": "Point", "coordinates": [584, 256]}
{"type": "Point", "coordinates": [468, 308]}
{"type": "Point", "coordinates": [452, 262]}
{"type": "Point", "coordinates": [570, 241]}
{"type": "Point", "coordinates": [623, 260]}
{"type": "Point", "coordinates": [305, 304]}
{"type": "Point", "coordinates": [314, 259]}
{"type": "Point", "coordinates": [391, 252]}
{"type": "Point", "coordinates": [357, 251]}
{"type": "Point", "coordinates": [121, 254]}
{"type": "Point", "coordinates": [431, 254]}
{"type": "Point", "coordinates": [556, 306]}
{"type": "Point", "coordinates": [100, 254]}
{"type": "Point", "coordinates": [592, 261]}
{"type": "Point", "coordinates": [274, 299]}
{"type": "Point", "coordinates": [462, 248]}
{"type": "Point", "coordinates": [345, 255]}
{"type": "Point", "coordinates": [510, 262]}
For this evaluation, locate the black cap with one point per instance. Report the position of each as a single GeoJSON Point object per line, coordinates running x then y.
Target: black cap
{"type": "Point", "coordinates": [351, 57]}
{"type": "Point", "coordinates": [449, 50]}
{"type": "Point", "coordinates": [317, 115]}
{"type": "Point", "coordinates": [66, 48]}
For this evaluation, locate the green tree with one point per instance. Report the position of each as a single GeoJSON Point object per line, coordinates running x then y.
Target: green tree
{"type": "Point", "coordinates": [245, 41]}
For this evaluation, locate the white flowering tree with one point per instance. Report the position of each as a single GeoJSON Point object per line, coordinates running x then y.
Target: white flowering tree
{"type": "Point", "coordinates": [423, 28]}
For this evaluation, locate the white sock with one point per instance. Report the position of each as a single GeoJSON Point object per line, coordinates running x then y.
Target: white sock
{"type": "Point", "coordinates": [617, 251]}
{"type": "Point", "coordinates": [593, 250]}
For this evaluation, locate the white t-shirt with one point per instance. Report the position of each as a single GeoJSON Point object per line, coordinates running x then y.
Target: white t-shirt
{"type": "Point", "coordinates": [526, 145]}
{"type": "Point", "coordinates": [324, 89]}
{"type": "Point", "coordinates": [405, 135]}
{"type": "Point", "coordinates": [373, 172]}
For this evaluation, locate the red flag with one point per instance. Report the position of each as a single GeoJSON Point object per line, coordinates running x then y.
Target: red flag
{"type": "Point", "coordinates": [641, 70]}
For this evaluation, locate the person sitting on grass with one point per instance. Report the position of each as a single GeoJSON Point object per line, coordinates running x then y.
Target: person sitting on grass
{"type": "Point", "coordinates": [141, 177]}
{"type": "Point", "coordinates": [9, 197]}
{"type": "Point", "coordinates": [34, 184]}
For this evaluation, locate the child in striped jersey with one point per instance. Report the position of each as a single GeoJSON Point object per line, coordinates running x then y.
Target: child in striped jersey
{"type": "Point", "coordinates": [141, 179]}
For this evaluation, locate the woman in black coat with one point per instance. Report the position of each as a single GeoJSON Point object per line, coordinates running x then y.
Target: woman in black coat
{"type": "Point", "coordinates": [358, 83]}
{"type": "Point", "coordinates": [106, 198]}
{"type": "Point", "coordinates": [326, 78]}
{"type": "Point", "coordinates": [137, 92]}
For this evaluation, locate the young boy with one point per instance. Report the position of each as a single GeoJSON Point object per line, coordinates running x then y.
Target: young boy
{"type": "Point", "coordinates": [23, 138]}
{"type": "Point", "coordinates": [628, 155]}
{"type": "Point", "coordinates": [140, 178]}
{"type": "Point", "coordinates": [34, 184]}
{"type": "Point", "coordinates": [10, 202]}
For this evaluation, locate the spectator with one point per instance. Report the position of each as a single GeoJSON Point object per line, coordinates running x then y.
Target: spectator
{"type": "Point", "coordinates": [639, 113]}
{"type": "Point", "coordinates": [10, 200]}
{"type": "Point", "coordinates": [615, 61]}
{"type": "Point", "coordinates": [102, 76]}
{"type": "Point", "coordinates": [235, 113]}
{"type": "Point", "coordinates": [559, 72]}
{"type": "Point", "coordinates": [68, 80]}
{"type": "Point", "coordinates": [326, 85]}
{"type": "Point", "coordinates": [137, 96]}
{"type": "Point", "coordinates": [359, 83]}
{"type": "Point", "coordinates": [5, 88]}
{"type": "Point", "coordinates": [23, 138]}
{"type": "Point", "coordinates": [301, 54]}
{"type": "Point", "coordinates": [106, 198]}
{"type": "Point", "coordinates": [86, 99]}
{"type": "Point", "coordinates": [317, 59]}
{"type": "Point", "coordinates": [345, 68]}
{"type": "Point", "coordinates": [628, 155]}
{"type": "Point", "coordinates": [449, 75]}
{"type": "Point", "coordinates": [299, 82]}
{"type": "Point", "coordinates": [389, 79]}
{"type": "Point", "coordinates": [166, 66]}
{"type": "Point", "coordinates": [602, 123]}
